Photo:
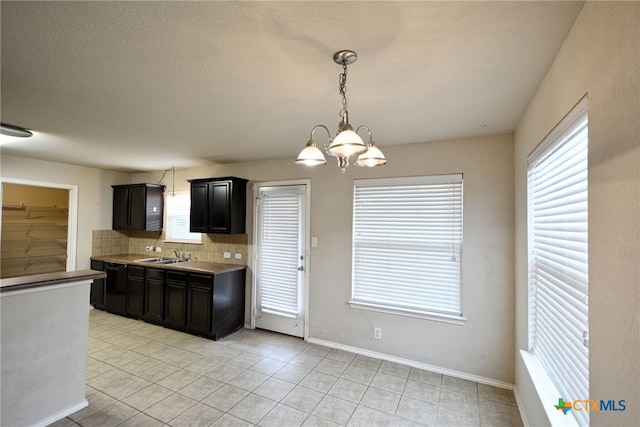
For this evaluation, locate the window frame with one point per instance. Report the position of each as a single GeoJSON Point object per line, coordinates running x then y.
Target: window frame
{"type": "Point", "coordinates": [427, 189]}
{"type": "Point", "coordinates": [572, 129]}
{"type": "Point", "coordinates": [167, 221]}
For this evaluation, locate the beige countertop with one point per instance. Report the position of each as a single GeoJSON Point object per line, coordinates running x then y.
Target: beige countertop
{"type": "Point", "coordinates": [48, 279]}
{"type": "Point", "coordinates": [188, 266]}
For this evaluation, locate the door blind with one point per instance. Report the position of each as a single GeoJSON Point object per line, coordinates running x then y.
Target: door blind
{"type": "Point", "coordinates": [407, 243]}
{"type": "Point", "coordinates": [558, 220]}
{"type": "Point", "coordinates": [279, 257]}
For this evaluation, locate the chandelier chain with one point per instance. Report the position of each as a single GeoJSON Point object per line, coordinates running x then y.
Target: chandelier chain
{"type": "Point", "coordinates": [343, 89]}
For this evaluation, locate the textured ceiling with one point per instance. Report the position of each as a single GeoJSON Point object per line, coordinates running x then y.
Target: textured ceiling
{"type": "Point", "coordinates": [140, 86]}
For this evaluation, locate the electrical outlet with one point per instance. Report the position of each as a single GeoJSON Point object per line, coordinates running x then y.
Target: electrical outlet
{"type": "Point", "coordinates": [158, 249]}
{"type": "Point", "coordinates": [227, 255]}
{"type": "Point", "coordinates": [148, 248]}
{"type": "Point", "coordinates": [377, 333]}
{"type": "Point", "coordinates": [238, 256]}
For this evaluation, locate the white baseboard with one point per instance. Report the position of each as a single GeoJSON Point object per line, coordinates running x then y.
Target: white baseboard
{"type": "Point", "coordinates": [523, 415]}
{"type": "Point", "coordinates": [413, 363]}
{"type": "Point", "coordinates": [61, 414]}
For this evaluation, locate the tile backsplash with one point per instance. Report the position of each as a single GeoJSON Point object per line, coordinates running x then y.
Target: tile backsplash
{"type": "Point", "coordinates": [212, 249]}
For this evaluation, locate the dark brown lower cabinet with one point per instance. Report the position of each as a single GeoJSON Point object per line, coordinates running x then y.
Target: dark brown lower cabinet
{"type": "Point", "coordinates": [135, 291]}
{"type": "Point", "coordinates": [214, 302]}
{"type": "Point", "coordinates": [176, 299]}
{"type": "Point", "coordinates": [199, 302]}
{"type": "Point", "coordinates": [210, 305]}
{"type": "Point", "coordinates": [228, 303]}
{"type": "Point", "coordinates": [154, 295]}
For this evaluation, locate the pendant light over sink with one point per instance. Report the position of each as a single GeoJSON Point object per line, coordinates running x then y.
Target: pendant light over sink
{"type": "Point", "coordinates": [347, 145]}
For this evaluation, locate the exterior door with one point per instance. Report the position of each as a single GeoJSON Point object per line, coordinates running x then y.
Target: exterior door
{"type": "Point", "coordinates": [280, 259]}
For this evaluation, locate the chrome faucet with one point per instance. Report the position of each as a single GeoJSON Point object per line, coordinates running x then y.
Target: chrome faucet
{"type": "Point", "coordinates": [176, 253]}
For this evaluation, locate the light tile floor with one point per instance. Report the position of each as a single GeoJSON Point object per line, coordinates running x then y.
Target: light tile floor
{"type": "Point", "coordinates": [142, 375]}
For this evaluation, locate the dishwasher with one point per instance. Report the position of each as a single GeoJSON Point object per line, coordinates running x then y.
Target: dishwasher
{"type": "Point", "coordinates": [116, 288]}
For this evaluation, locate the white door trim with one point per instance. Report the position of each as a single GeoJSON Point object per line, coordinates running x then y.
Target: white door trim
{"type": "Point", "coordinates": [307, 246]}
{"type": "Point", "coordinates": [72, 231]}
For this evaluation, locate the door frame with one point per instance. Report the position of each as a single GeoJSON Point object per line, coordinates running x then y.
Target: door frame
{"type": "Point", "coordinates": [307, 246]}
{"type": "Point", "coordinates": [72, 219]}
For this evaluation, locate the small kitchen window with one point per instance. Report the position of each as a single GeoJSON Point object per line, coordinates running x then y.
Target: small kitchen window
{"type": "Point", "coordinates": [407, 246]}
{"type": "Point", "coordinates": [177, 210]}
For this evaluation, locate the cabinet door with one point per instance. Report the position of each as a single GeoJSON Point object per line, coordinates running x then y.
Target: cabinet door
{"type": "Point", "coordinates": [154, 207]}
{"type": "Point", "coordinates": [154, 300]}
{"type": "Point", "coordinates": [200, 303]}
{"type": "Point", "coordinates": [135, 296]}
{"type": "Point", "coordinates": [137, 208]}
{"type": "Point", "coordinates": [199, 200]}
{"type": "Point", "coordinates": [176, 300]}
{"type": "Point", "coordinates": [120, 220]}
{"type": "Point", "coordinates": [199, 309]}
{"type": "Point", "coordinates": [219, 207]}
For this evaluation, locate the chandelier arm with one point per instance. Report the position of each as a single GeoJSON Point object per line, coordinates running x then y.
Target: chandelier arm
{"type": "Point", "coordinates": [323, 127]}
{"type": "Point", "coordinates": [368, 130]}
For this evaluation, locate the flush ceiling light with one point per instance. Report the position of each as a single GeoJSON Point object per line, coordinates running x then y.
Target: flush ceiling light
{"type": "Point", "coordinates": [15, 131]}
{"type": "Point", "coordinates": [347, 144]}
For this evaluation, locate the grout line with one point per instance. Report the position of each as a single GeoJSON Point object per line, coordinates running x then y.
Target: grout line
{"type": "Point", "coordinates": [240, 344]}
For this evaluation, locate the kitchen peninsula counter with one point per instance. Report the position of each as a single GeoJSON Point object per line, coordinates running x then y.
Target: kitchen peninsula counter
{"type": "Point", "coordinates": [47, 279]}
{"type": "Point", "coordinates": [44, 321]}
{"type": "Point", "coordinates": [187, 266]}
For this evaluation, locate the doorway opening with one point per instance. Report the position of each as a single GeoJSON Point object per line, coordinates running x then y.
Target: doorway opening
{"type": "Point", "coordinates": [280, 286]}
{"type": "Point", "coordinates": [38, 228]}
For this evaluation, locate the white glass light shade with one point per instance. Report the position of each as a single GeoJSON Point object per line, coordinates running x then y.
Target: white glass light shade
{"type": "Point", "coordinates": [346, 144]}
{"type": "Point", "coordinates": [373, 157]}
{"type": "Point", "coordinates": [311, 155]}
{"type": "Point", "coordinates": [14, 131]}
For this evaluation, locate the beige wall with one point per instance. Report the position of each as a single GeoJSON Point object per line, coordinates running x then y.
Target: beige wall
{"type": "Point", "coordinates": [601, 57]}
{"type": "Point", "coordinates": [484, 347]}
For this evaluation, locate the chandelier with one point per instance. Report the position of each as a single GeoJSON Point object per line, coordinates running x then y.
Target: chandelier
{"type": "Point", "coordinates": [347, 145]}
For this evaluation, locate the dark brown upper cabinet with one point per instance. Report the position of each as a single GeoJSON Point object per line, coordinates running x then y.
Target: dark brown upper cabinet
{"type": "Point", "coordinates": [218, 205]}
{"type": "Point", "coordinates": [138, 207]}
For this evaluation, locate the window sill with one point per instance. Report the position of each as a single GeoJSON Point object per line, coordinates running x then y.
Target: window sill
{"type": "Point", "coordinates": [188, 242]}
{"type": "Point", "coordinates": [547, 392]}
{"type": "Point", "coordinates": [438, 317]}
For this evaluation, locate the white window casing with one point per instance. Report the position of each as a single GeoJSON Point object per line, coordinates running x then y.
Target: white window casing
{"type": "Point", "coordinates": [177, 208]}
{"type": "Point", "coordinates": [558, 256]}
{"type": "Point", "coordinates": [407, 246]}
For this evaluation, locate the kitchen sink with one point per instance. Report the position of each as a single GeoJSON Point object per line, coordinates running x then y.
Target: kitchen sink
{"type": "Point", "coordinates": [162, 260]}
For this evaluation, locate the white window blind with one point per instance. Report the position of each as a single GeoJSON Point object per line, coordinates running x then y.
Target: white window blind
{"type": "Point", "coordinates": [279, 237]}
{"type": "Point", "coordinates": [177, 223]}
{"type": "Point", "coordinates": [558, 263]}
{"type": "Point", "coordinates": [407, 244]}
